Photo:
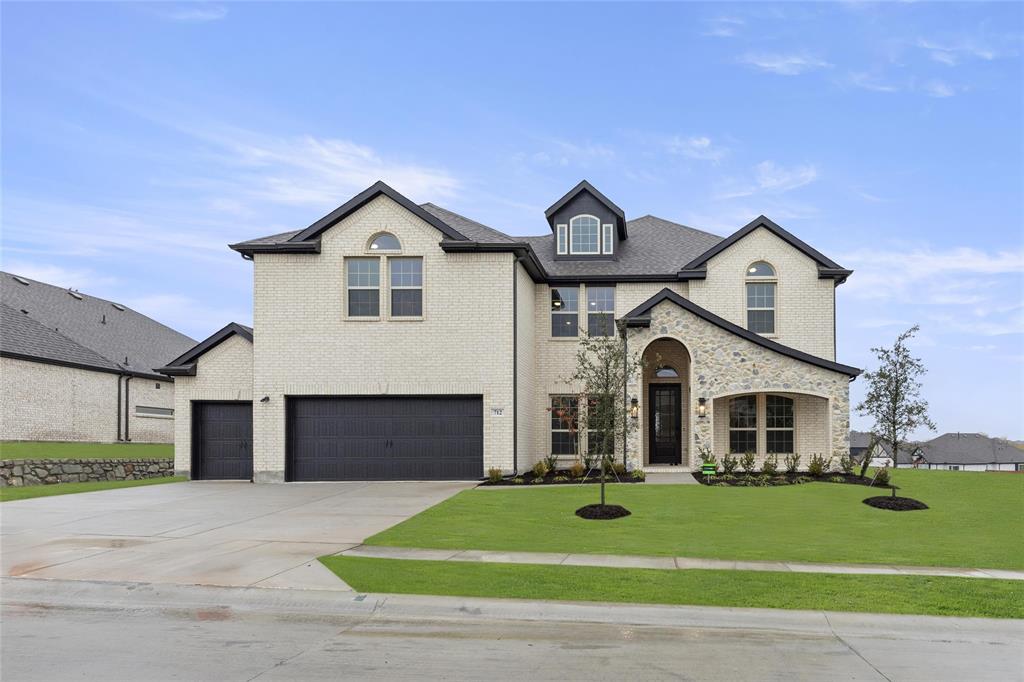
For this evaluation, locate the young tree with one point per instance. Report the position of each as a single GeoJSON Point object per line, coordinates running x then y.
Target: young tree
{"type": "Point", "coordinates": [602, 368]}
{"type": "Point", "coordinates": [894, 396]}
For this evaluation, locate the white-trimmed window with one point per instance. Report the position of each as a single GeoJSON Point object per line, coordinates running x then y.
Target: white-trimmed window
{"type": "Point", "coordinates": [385, 241]}
{"type": "Point", "coordinates": [155, 412]}
{"type": "Point", "coordinates": [406, 287]}
{"type": "Point", "coordinates": [608, 239]}
{"type": "Point", "coordinates": [761, 285]}
{"type": "Point", "coordinates": [743, 424]}
{"type": "Point", "coordinates": [564, 424]}
{"type": "Point", "coordinates": [363, 279]}
{"type": "Point", "coordinates": [565, 305]}
{"type": "Point", "coordinates": [585, 235]}
{"type": "Point", "coordinates": [561, 232]}
{"type": "Point", "coordinates": [778, 421]}
{"type": "Point", "coordinates": [600, 311]}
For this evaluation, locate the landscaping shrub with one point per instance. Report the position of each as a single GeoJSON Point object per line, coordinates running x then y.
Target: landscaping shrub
{"type": "Point", "coordinates": [639, 475]}
{"type": "Point", "coordinates": [761, 481]}
{"type": "Point", "coordinates": [846, 463]}
{"type": "Point", "coordinates": [721, 484]}
{"type": "Point", "coordinates": [792, 463]}
{"type": "Point", "coordinates": [619, 468]}
{"type": "Point", "coordinates": [770, 466]}
{"type": "Point", "coordinates": [706, 456]}
{"type": "Point", "coordinates": [540, 469]}
{"type": "Point", "coordinates": [494, 475]}
{"type": "Point", "coordinates": [551, 461]}
{"type": "Point", "coordinates": [819, 465]}
{"type": "Point", "coordinates": [539, 479]}
{"type": "Point", "coordinates": [518, 480]}
{"type": "Point", "coordinates": [748, 462]}
{"type": "Point", "coordinates": [577, 469]}
{"type": "Point", "coordinates": [803, 479]}
{"type": "Point", "coordinates": [837, 479]}
{"type": "Point", "coordinates": [560, 479]}
{"type": "Point", "coordinates": [780, 480]}
{"type": "Point", "coordinates": [882, 478]}
{"type": "Point", "coordinates": [729, 464]}
{"type": "Point", "coordinates": [589, 461]}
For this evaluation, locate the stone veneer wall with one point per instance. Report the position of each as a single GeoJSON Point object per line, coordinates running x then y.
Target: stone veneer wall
{"type": "Point", "coordinates": [19, 472]}
{"type": "Point", "coordinates": [724, 364]}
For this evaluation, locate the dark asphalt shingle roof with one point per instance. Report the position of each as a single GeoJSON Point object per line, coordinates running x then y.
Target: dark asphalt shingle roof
{"type": "Point", "coordinates": [473, 230]}
{"type": "Point", "coordinates": [23, 336]}
{"type": "Point", "coordinates": [111, 332]}
{"type": "Point", "coordinates": [970, 448]}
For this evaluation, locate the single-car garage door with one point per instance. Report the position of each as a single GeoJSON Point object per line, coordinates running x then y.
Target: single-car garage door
{"type": "Point", "coordinates": [385, 438]}
{"type": "Point", "coordinates": [222, 441]}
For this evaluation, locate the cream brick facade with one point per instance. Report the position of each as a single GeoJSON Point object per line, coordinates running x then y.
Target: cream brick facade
{"type": "Point", "coordinates": [222, 373]}
{"type": "Point", "coordinates": [41, 401]}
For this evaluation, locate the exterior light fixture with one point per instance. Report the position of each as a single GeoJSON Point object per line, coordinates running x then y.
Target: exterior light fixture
{"type": "Point", "coordinates": [634, 408]}
{"type": "Point", "coordinates": [265, 399]}
{"type": "Point", "coordinates": [702, 407]}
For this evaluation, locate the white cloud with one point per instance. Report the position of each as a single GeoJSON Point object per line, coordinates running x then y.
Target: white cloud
{"type": "Point", "coordinates": [936, 88]}
{"type": "Point", "coordinates": [71, 278]}
{"type": "Point", "coordinates": [195, 13]}
{"type": "Point", "coordinates": [784, 64]}
{"type": "Point", "coordinates": [697, 147]}
{"type": "Point", "coordinates": [868, 82]}
{"type": "Point", "coordinates": [770, 178]}
{"type": "Point", "coordinates": [953, 53]}
{"type": "Point", "coordinates": [723, 27]}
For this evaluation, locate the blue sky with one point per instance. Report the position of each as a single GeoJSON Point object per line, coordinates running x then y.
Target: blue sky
{"type": "Point", "coordinates": [140, 139]}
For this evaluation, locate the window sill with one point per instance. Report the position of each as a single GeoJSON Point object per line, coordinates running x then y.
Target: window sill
{"type": "Point", "coordinates": [154, 416]}
{"type": "Point", "coordinates": [406, 318]}
{"type": "Point", "coordinates": [563, 338]}
{"type": "Point", "coordinates": [360, 318]}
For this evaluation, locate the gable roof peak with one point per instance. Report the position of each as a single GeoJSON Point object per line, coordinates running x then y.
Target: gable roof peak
{"type": "Point", "coordinates": [585, 186]}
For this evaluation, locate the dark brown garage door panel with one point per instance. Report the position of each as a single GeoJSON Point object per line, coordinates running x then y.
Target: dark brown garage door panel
{"type": "Point", "coordinates": [382, 438]}
{"type": "Point", "coordinates": [222, 441]}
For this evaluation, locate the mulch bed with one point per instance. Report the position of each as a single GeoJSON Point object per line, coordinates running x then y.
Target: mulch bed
{"type": "Point", "coordinates": [561, 477]}
{"type": "Point", "coordinates": [895, 503]}
{"type": "Point", "coordinates": [602, 511]}
{"type": "Point", "coordinates": [741, 479]}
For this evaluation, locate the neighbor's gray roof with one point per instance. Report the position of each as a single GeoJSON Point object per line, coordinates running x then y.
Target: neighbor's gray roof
{"type": "Point", "coordinates": [970, 448]}
{"type": "Point", "coordinates": [21, 336]}
{"type": "Point", "coordinates": [115, 336]}
{"type": "Point", "coordinates": [655, 247]}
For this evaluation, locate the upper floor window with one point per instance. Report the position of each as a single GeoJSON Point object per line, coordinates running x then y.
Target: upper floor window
{"type": "Point", "coordinates": [565, 303]}
{"type": "Point", "coordinates": [406, 287]}
{"type": "Point", "coordinates": [585, 235]}
{"type": "Point", "coordinates": [600, 311]}
{"type": "Point", "coordinates": [385, 241]}
{"type": "Point", "coordinates": [743, 424]}
{"type": "Point", "coordinates": [761, 298]}
{"type": "Point", "coordinates": [363, 287]}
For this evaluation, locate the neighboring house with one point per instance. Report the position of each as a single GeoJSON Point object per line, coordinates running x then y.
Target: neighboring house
{"type": "Point", "coordinates": [400, 341]}
{"type": "Point", "coordinates": [881, 453]}
{"type": "Point", "coordinates": [970, 452]}
{"type": "Point", "coordinates": [78, 368]}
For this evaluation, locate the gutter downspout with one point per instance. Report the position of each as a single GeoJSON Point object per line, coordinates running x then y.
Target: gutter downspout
{"type": "Point", "coordinates": [117, 408]}
{"type": "Point", "coordinates": [127, 401]}
{"type": "Point", "coordinates": [625, 388]}
{"type": "Point", "coordinates": [515, 365]}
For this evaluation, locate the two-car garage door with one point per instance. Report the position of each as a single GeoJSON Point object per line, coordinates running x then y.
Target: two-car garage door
{"type": "Point", "coordinates": [384, 438]}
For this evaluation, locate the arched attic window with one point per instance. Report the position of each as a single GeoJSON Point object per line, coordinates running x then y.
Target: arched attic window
{"type": "Point", "coordinates": [585, 235]}
{"type": "Point", "coordinates": [385, 241]}
{"type": "Point", "coordinates": [666, 372]}
{"type": "Point", "coordinates": [761, 298]}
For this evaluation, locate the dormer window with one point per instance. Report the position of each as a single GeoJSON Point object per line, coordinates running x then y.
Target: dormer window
{"type": "Point", "coordinates": [385, 241]}
{"type": "Point", "coordinates": [585, 235]}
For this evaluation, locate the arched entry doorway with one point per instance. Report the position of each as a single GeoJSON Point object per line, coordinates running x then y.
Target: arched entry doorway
{"type": "Point", "coordinates": [666, 389]}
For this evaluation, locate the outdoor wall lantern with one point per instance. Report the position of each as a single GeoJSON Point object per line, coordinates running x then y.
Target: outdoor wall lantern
{"type": "Point", "coordinates": [265, 399]}
{"type": "Point", "coordinates": [702, 407]}
{"type": "Point", "coordinates": [634, 408]}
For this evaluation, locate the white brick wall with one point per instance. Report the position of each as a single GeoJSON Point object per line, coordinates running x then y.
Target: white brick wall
{"type": "Point", "coordinates": [222, 373]}
{"type": "Point", "coordinates": [804, 306]}
{"type": "Point", "coordinates": [41, 401]}
{"type": "Point", "coordinates": [305, 346]}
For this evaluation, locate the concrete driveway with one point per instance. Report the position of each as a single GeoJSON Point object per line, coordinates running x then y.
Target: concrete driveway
{"type": "Point", "coordinates": [198, 533]}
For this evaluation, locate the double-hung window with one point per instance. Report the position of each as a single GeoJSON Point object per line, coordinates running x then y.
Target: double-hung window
{"type": "Point", "coordinates": [600, 311]}
{"type": "Point", "coordinates": [363, 287]}
{"type": "Point", "coordinates": [564, 423]}
{"type": "Point", "coordinates": [406, 287]}
{"type": "Point", "coordinates": [743, 424]}
{"type": "Point", "coordinates": [585, 235]}
{"type": "Point", "coordinates": [778, 423]}
{"type": "Point", "coordinates": [565, 303]}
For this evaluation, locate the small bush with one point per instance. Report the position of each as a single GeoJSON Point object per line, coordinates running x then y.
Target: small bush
{"type": "Point", "coordinates": [819, 465]}
{"type": "Point", "coordinates": [589, 461]}
{"type": "Point", "coordinates": [792, 463]}
{"type": "Point", "coordinates": [540, 469]}
{"type": "Point", "coordinates": [619, 468]}
{"type": "Point", "coordinates": [803, 479]}
{"type": "Point", "coordinates": [837, 479]}
{"type": "Point", "coordinates": [577, 469]}
{"type": "Point", "coordinates": [742, 483]}
{"type": "Point", "coordinates": [707, 457]}
{"type": "Point", "coordinates": [748, 462]}
{"type": "Point", "coordinates": [721, 484]}
{"type": "Point", "coordinates": [518, 480]}
{"type": "Point", "coordinates": [639, 475]}
{"type": "Point", "coordinates": [539, 479]}
{"type": "Point", "coordinates": [494, 475]}
{"type": "Point", "coordinates": [560, 479]}
{"type": "Point", "coordinates": [729, 464]}
{"type": "Point", "coordinates": [761, 481]}
{"type": "Point", "coordinates": [846, 463]}
{"type": "Point", "coordinates": [883, 476]}
{"type": "Point", "coordinates": [780, 480]}
{"type": "Point", "coordinates": [770, 466]}
{"type": "Point", "coordinates": [551, 461]}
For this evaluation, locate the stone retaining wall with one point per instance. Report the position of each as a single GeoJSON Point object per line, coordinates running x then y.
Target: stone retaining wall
{"type": "Point", "coordinates": [18, 472]}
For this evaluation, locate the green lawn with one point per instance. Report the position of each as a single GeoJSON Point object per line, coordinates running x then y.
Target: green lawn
{"type": "Point", "coordinates": [29, 491]}
{"type": "Point", "coordinates": [60, 450]}
{"type": "Point", "coordinates": [974, 520]}
{"type": "Point", "coordinates": [870, 593]}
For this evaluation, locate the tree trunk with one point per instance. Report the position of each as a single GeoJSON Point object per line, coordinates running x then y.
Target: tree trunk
{"type": "Point", "coordinates": [602, 480]}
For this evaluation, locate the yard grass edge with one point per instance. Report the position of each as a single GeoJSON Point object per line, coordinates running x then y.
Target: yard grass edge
{"type": "Point", "coordinates": [15, 493]}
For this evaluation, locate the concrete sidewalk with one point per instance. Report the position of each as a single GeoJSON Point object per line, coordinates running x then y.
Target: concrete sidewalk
{"type": "Point", "coordinates": [668, 563]}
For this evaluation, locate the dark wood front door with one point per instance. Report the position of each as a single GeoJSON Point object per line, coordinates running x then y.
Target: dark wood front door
{"type": "Point", "coordinates": [665, 424]}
